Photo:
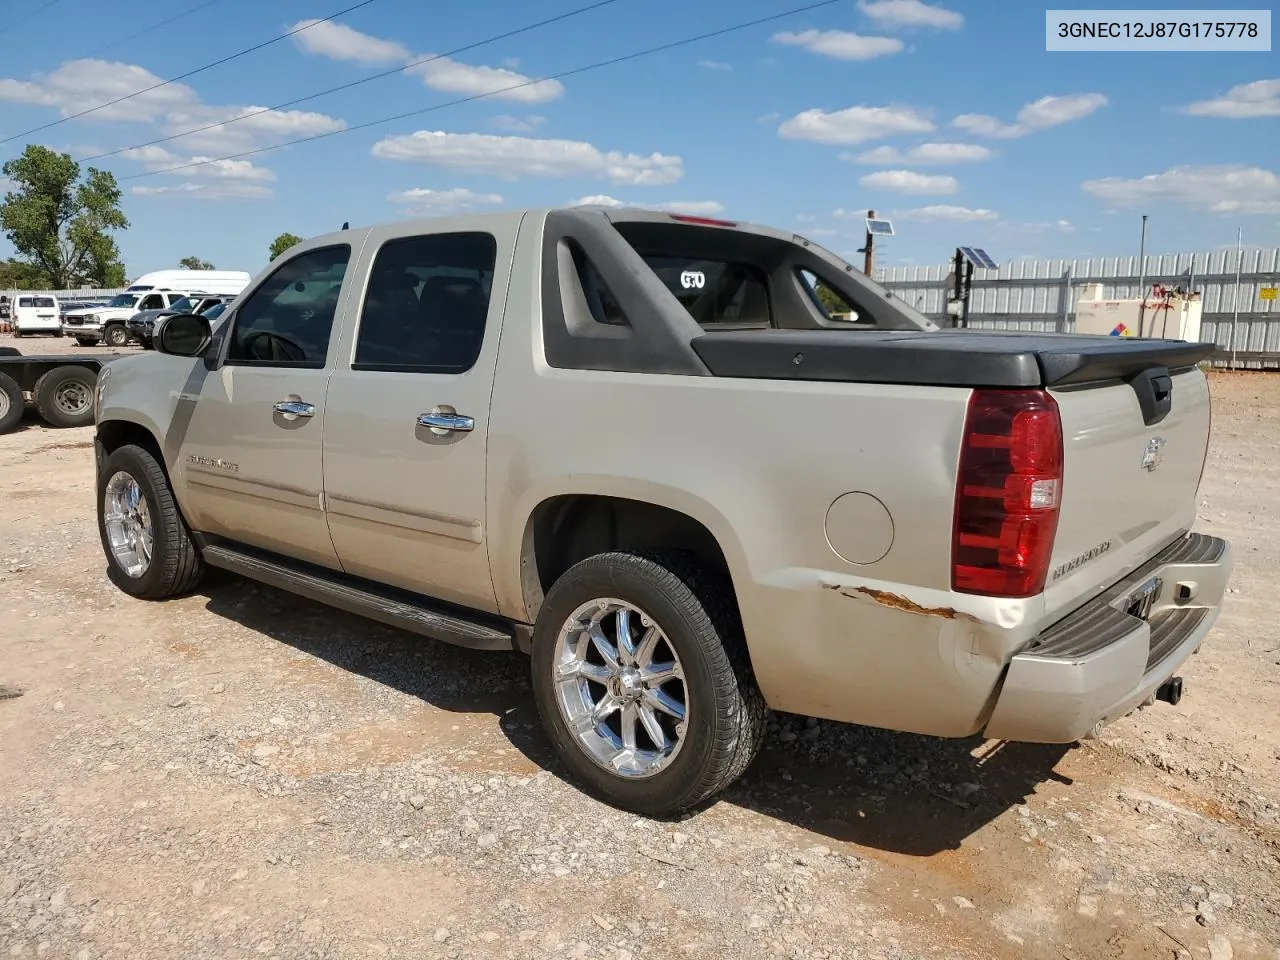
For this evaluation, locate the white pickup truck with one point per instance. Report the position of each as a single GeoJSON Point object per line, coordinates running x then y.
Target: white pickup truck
{"type": "Point", "coordinates": [637, 447]}
{"type": "Point", "coordinates": [109, 324]}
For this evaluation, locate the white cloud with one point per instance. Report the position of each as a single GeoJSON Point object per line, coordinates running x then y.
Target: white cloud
{"type": "Point", "coordinates": [910, 13]}
{"type": "Point", "coordinates": [854, 125]}
{"type": "Point", "coordinates": [82, 84]}
{"type": "Point", "coordinates": [703, 208]}
{"type": "Point", "coordinates": [1232, 188]}
{"type": "Point", "coordinates": [715, 65]}
{"type": "Point", "coordinates": [922, 154]}
{"type": "Point", "coordinates": [768, 117]}
{"type": "Point", "coordinates": [206, 191]}
{"type": "Point", "coordinates": [1040, 115]}
{"type": "Point", "coordinates": [513, 157]}
{"type": "Point", "coordinates": [908, 181]}
{"type": "Point", "coordinates": [447, 75]}
{"type": "Point", "coordinates": [946, 212]}
{"type": "Point", "coordinates": [840, 44]}
{"type": "Point", "coordinates": [422, 200]}
{"type": "Point", "coordinates": [1245, 101]}
{"type": "Point", "coordinates": [159, 160]}
{"type": "Point", "coordinates": [339, 42]}
{"type": "Point", "coordinates": [259, 126]}
{"type": "Point", "coordinates": [450, 76]}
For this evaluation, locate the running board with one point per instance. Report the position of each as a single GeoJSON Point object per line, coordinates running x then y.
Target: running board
{"type": "Point", "coordinates": [396, 608]}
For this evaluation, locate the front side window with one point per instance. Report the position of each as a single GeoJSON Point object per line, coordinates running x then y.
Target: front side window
{"type": "Point", "coordinates": [153, 301]}
{"type": "Point", "coordinates": [426, 305]}
{"type": "Point", "coordinates": [287, 322]}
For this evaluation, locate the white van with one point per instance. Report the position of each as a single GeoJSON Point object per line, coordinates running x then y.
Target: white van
{"type": "Point", "coordinates": [225, 282]}
{"type": "Point", "coordinates": [35, 313]}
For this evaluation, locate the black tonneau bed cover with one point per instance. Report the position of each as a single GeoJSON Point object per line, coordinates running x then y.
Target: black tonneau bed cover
{"type": "Point", "coordinates": [941, 358]}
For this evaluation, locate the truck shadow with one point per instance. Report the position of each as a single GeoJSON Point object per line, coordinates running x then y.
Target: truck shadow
{"type": "Point", "coordinates": [888, 791]}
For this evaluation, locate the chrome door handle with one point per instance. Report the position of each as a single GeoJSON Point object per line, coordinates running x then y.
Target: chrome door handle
{"type": "Point", "coordinates": [447, 421]}
{"type": "Point", "coordinates": [293, 409]}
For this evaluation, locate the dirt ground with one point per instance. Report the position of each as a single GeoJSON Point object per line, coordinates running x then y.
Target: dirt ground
{"type": "Point", "coordinates": [245, 774]}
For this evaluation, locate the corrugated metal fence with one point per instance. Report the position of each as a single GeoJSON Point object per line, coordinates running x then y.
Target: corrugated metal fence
{"type": "Point", "coordinates": [1039, 295]}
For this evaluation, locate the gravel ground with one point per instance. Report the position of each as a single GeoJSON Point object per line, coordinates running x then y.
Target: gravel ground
{"type": "Point", "coordinates": [245, 774]}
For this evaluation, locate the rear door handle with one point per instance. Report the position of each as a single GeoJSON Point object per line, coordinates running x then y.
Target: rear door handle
{"type": "Point", "coordinates": [293, 409]}
{"type": "Point", "coordinates": [443, 423]}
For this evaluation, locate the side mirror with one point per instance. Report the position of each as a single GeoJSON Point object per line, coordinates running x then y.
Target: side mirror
{"type": "Point", "coordinates": [183, 335]}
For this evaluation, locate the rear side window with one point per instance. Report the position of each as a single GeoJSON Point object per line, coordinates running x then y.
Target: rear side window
{"type": "Point", "coordinates": [427, 303]}
{"type": "Point", "coordinates": [717, 293]}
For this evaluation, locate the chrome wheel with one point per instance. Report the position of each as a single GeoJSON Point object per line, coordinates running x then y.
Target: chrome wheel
{"type": "Point", "coordinates": [620, 688]}
{"type": "Point", "coordinates": [127, 519]}
{"type": "Point", "coordinates": [73, 398]}
{"type": "Point", "coordinates": [4, 405]}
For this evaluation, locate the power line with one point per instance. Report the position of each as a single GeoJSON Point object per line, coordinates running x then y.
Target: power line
{"type": "Point", "coordinates": [21, 20]}
{"type": "Point", "coordinates": [155, 26]}
{"type": "Point", "coordinates": [356, 83]}
{"type": "Point", "coordinates": [613, 61]}
{"type": "Point", "coordinates": [189, 73]}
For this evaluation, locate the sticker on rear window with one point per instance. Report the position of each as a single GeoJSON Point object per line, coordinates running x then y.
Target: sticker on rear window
{"type": "Point", "coordinates": [693, 279]}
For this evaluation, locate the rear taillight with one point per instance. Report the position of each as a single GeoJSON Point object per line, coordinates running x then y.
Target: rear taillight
{"type": "Point", "coordinates": [1008, 493]}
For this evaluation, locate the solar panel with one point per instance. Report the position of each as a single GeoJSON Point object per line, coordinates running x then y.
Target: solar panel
{"type": "Point", "coordinates": [880, 228]}
{"type": "Point", "coordinates": [985, 260]}
{"type": "Point", "coordinates": [979, 258]}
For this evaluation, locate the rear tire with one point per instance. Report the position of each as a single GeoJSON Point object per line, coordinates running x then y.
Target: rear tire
{"type": "Point", "coordinates": [12, 403]}
{"type": "Point", "coordinates": [718, 730]}
{"type": "Point", "coordinates": [64, 396]}
{"type": "Point", "coordinates": [136, 509]}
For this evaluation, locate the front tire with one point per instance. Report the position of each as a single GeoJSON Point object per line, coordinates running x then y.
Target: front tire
{"type": "Point", "coordinates": [642, 682]}
{"type": "Point", "coordinates": [149, 550]}
{"type": "Point", "coordinates": [115, 335]}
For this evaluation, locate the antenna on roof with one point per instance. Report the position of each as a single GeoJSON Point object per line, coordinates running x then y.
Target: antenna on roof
{"type": "Point", "coordinates": [346, 224]}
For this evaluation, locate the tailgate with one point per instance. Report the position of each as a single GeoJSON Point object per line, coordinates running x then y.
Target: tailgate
{"type": "Point", "coordinates": [1129, 486]}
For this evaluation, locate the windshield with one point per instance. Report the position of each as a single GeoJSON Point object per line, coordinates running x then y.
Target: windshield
{"type": "Point", "coordinates": [182, 305]}
{"type": "Point", "coordinates": [122, 300]}
{"type": "Point", "coordinates": [214, 312]}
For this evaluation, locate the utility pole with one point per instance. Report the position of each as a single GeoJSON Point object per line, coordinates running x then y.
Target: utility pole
{"type": "Point", "coordinates": [869, 260]}
{"type": "Point", "coordinates": [1235, 299]}
{"type": "Point", "coordinates": [1142, 275]}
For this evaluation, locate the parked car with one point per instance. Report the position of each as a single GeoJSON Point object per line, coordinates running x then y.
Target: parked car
{"type": "Point", "coordinates": [140, 325]}
{"type": "Point", "coordinates": [90, 325]}
{"type": "Point", "coordinates": [34, 314]}
{"type": "Point", "coordinates": [637, 447]}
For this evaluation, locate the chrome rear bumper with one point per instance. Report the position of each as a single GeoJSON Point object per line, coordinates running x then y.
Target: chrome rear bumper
{"type": "Point", "coordinates": [1108, 657]}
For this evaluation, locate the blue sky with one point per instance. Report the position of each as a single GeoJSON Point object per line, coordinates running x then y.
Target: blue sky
{"type": "Point", "coordinates": [950, 118]}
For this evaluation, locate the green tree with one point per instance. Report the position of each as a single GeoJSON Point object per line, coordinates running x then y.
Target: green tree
{"type": "Point", "coordinates": [59, 222]}
{"type": "Point", "coordinates": [195, 263]}
{"type": "Point", "coordinates": [283, 242]}
{"type": "Point", "coordinates": [17, 275]}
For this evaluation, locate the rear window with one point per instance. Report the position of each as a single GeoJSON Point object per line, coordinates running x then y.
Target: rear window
{"type": "Point", "coordinates": [36, 302]}
{"type": "Point", "coordinates": [717, 293]}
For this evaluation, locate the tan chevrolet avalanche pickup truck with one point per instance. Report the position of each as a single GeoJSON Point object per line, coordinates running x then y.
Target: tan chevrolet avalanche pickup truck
{"type": "Point", "coordinates": [639, 448]}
